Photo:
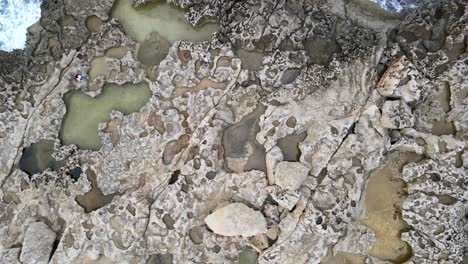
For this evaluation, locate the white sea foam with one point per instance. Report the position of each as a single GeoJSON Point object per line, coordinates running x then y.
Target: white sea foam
{"type": "Point", "coordinates": [391, 5]}
{"type": "Point", "coordinates": [15, 17]}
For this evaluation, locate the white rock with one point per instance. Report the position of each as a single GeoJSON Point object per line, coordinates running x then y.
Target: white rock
{"type": "Point", "coordinates": [290, 175]}
{"type": "Point", "coordinates": [236, 219]}
{"type": "Point", "coordinates": [37, 244]}
{"type": "Point", "coordinates": [287, 199]}
{"type": "Point", "coordinates": [10, 256]}
{"type": "Point", "coordinates": [249, 186]}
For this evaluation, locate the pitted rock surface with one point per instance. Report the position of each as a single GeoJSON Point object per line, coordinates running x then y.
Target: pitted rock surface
{"type": "Point", "coordinates": [260, 144]}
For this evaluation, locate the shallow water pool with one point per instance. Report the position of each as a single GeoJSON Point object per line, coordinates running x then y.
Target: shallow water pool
{"type": "Point", "coordinates": [38, 157]}
{"type": "Point", "coordinates": [167, 20]}
{"type": "Point", "coordinates": [84, 113]}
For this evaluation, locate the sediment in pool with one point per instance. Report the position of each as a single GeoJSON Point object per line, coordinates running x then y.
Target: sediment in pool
{"type": "Point", "coordinates": [94, 199]}
{"type": "Point", "coordinates": [384, 197]}
{"type": "Point", "coordinates": [84, 113]}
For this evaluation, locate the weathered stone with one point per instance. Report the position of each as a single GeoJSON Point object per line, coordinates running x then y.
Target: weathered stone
{"type": "Point", "coordinates": [286, 198]}
{"type": "Point", "coordinates": [38, 243]}
{"type": "Point", "coordinates": [10, 256]}
{"type": "Point", "coordinates": [396, 115]}
{"type": "Point", "coordinates": [399, 81]}
{"type": "Point", "coordinates": [290, 175]}
{"type": "Point", "coordinates": [236, 219]}
{"type": "Point", "coordinates": [281, 81]}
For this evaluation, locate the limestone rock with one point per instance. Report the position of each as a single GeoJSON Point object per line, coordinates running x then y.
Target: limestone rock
{"type": "Point", "coordinates": [399, 81]}
{"type": "Point", "coordinates": [38, 243]}
{"type": "Point", "coordinates": [396, 115]}
{"type": "Point", "coordinates": [211, 133]}
{"type": "Point", "coordinates": [285, 198]}
{"type": "Point", "coordinates": [10, 256]}
{"type": "Point", "coordinates": [290, 175]}
{"type": "Point", "coordinates": [236, 219]}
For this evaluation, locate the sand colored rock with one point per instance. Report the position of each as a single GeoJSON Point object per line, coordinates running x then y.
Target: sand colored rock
{"type": "Point", "coordinates": [236, 219]}
{"type": "Point", "coordinates": [290, 175]}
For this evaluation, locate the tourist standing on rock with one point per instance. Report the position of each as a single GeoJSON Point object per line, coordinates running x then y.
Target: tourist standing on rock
{"type": "Point", "coordinates": [205, 60]}
{"type": "Point", "coordinates": [80, 77]}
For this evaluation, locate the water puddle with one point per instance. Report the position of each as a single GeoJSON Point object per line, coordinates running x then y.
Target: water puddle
{"type": "Point", "coordinates": [84, 113]}
{"type": "Point", "coordinates": [385, 194]}
{"type": "Point", "coordinates": [440, 128]}
{"type": "Point", "coordinates": [94, 199]}
{"type": "Point", "coordinates": [321, 50]}
{"type": "Point", "coordinates": [153, 50]}
{"type": "Point", "coordinates": [204, 84]}
{"type": "Point", "coordinates": [289, 146]}
{"type": "Point", "coordinates": [248, 256]}
{"type": "Point", "coordinates": [38, 157]}
{"type": "Point", "coordinates": [116, 52]}
{"type": "Point", "coordinates": [99, 67]}
{"type": "Point", "coordinates": [163, 18]}
{"type": "Point", "coordinates": [93, 24]}
{"type": "Point", "coordinates": [240, 137]}
{"type": "Point", "coordinates": [251, 60]}
{"type": "Point", "coordinates": [444, 98]}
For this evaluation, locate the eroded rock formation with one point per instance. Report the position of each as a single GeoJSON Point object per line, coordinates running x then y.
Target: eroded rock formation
{"type": "Point", "coordinates": [302, 131]}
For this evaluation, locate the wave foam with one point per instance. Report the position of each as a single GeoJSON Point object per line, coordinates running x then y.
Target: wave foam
{"type": "Point", "coordinates": [391, 5]}
{"type": "Point", "coordinates": [15, 17]}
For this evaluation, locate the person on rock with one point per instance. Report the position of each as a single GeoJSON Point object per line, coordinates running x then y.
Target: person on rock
{"type": "Point", "coordinates": [79, 77]}
{"type": "Point", "coordinates": [205, 60]}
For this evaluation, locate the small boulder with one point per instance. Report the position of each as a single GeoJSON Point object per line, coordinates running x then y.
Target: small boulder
{"type": "Point", "coordinates": [399, 81]}
{"type": "Point", "coordinates": [236, 219]}
{"type": "Point", "coordinates": [10, 255]}
{"type": "Point", "coordinates": [38, 243]}
{"type": "Point", "coordinates": [290, 175]}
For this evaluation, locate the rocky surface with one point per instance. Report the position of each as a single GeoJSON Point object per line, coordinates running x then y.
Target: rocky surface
{"type": "Point", "coordinates": [267, 153]}
{"type": "Point", "coordinates": [38, 243]}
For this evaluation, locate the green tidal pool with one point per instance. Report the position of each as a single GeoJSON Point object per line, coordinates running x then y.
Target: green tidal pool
{"type": "Point", "coordinates": [165, 19]}
{"type": "Point", "coordinates": [84, 113]}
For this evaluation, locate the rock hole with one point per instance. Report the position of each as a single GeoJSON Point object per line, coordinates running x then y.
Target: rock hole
{"type": "Point", "coordinates": [174, 177]}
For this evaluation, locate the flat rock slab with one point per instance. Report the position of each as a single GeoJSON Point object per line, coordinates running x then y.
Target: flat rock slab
{"type": "Point", "coordinates": [236, 219]}
{"type": "Point", "coordinates": [37, 245]}
{"type": "Point", "coordinates": [290, 175]}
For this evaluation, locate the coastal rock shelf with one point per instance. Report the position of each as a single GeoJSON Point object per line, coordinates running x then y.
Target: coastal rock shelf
{"type": "Point", "coordinates": [232, 131]}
